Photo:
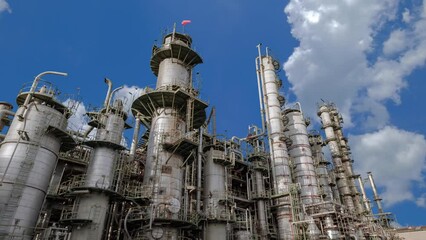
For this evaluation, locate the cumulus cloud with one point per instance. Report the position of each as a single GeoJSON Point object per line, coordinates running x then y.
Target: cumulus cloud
{"type": "Point", "coordinates": [397, 159]}
{"type": "Point", "coordinates": [421, 201]}
{"type": "Point", "coordinates": [333, 59]}
{"type": "Point", "coordinates": [78, 120]}
{"type": "Point", "coordinates": [4, 6]}
{"type": "Point", "coordinates": [128, 95]}
{"type": "Point", "coordinates": [406, 17]}
{"type": "Point", "coordinates": [396, 43]}
{"type": "Point", "coordinates": [358, 54]}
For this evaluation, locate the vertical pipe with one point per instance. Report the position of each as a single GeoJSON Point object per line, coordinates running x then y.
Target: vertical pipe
{"type": "Point", "coordinates": [377, 199]}
{"type": "Point", "coordinates": [199, 168]}
{"type": "Point", "coordinates": [135, 137]}
{"type": "Point", "coordinates": [108, 95]}
{"type": "Point", "coordinates": [364, 196]}
{"type": "Point", "coordinates": [259, 89]}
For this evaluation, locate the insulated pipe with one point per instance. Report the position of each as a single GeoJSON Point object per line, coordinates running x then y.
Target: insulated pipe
{"type": "Point", "coordinates": [278, 150]}
{"type": "Point", "coordinates": [32, 90]}
{"type": "Point", "coordinates": [364, 196]}
{"type": "Point", "coordinates": [259, 89]}
{"type": "Point", "coordinates": [108, 95]}
{"type": "Point", "coordinates": [377, 199]}
{"type": "Point", "coordinates": [135, 137]}
{"type": "Point", "coordinates": [199, 169]}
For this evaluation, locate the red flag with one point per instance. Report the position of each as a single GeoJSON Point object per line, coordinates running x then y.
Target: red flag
{"type": "Point", "coordinates": [185, 22]}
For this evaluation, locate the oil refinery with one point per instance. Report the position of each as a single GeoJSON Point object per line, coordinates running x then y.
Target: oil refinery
{"type": "Point", "coordinates": [179, 179]}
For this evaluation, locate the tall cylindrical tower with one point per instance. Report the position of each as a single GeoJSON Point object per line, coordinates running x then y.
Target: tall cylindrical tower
{"type": "Point", "coordinates": [278, 149]}
{"type": "Point", "coordinates": [28, 156]}
{"type": "Point", "coordinates": [173, 112]}
{"type": "Point", "coordinates": [300, 152]}
{"type": "Point", "coordinates": [95, 189]}
{"type": "Point", "coordinates": [321, 163]}
{"type": "Point", "coordinates": [217, 202]}
{"type": "Point", "coordinates": [331, 140]}
{"type": "Point", "coordinates": [347, 161]}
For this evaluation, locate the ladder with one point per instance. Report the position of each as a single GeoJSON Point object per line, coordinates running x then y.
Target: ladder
{"type": "Point", "coordinates": [7, 214]}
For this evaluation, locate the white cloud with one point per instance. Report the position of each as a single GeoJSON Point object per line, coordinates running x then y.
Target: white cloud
{"type": "Point", "coordinates": [128, 95]}
{"type": "Point", "coordinates": [396, 43]}
{"type": "Point", "coordinates": [397, 159]}
{"type": "Point", "coordinates": [421, 201]}
{"type": "Point", "coordinates": [332, 59]}
{"type": "Point", "coordinates": [78, 120]}
{"type": "Point", "coordinates": [406, 17]}
{"type": "Point", "coordinates": [4, 6]}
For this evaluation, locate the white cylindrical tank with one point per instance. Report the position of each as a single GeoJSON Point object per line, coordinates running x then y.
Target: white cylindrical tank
{"type": "Point", "coordinates": [28, 157]}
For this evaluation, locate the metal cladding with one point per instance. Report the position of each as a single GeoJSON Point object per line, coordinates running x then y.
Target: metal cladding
{"type": "Point", "coordinates": [95, 189]}
{"type": "Point", "coordinates": [5, 110]}
{"type": "Point", "coordinates": [377, 199]}
{"type": "Point", "coordinates": [174, 112]}
{"type": "Point", "coordinates": [347, 161]}
{"type": "Point", "coordinates": [28, 157]}
{"type": "Point", "coordinates": [364, 196]}
{"type": "Point", "coordinates": [217, 202]}
{"type": "Point", "coordinates": [331, 140]}
{"type": "Point", "coordinates": [301, 154]}
{"type": "Point", "coordinates": [322, 172]}
{"type": "Point", "coordinates": [278, 149]}
{"type": "Point", "coordinates": [180, 181]}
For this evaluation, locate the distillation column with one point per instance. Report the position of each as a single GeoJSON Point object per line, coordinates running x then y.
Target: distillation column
{"type": "Point", "coordinates": [174, 112]}
{"type": "Point", "coordinates": [28, 156]}
{"type": "Point", "coordinates": [331, 140]}
{"type": "Point", "coordinates": [347, 161]}
{"type": "Point", "coordinates": [301, 154]}
{"type": "Point", "coordinates": [325, 182]}
{"type": "Point", "coordinates": [98, 186]}
{"type": "Point", "coordinates": [217, 203]}
{"type": "Point", "coordinates": [278, 149]}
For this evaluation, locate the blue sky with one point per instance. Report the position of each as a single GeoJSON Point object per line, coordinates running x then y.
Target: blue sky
{"type": "Point", "coordinates": [367, 56]}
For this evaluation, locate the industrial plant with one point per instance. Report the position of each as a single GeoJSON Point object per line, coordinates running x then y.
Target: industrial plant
{"type": "Point", "coordinates": [179, 179]}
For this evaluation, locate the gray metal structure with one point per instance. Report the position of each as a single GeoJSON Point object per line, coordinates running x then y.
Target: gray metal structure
{"type": "Point", "coordinates": [28, 157]}
{"type": "Point", "coordinates": [180, 180]}
{"type": "Point", "coordinates": [342, 179]}
{"type": "Point", "coordinates": [281, 174]}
